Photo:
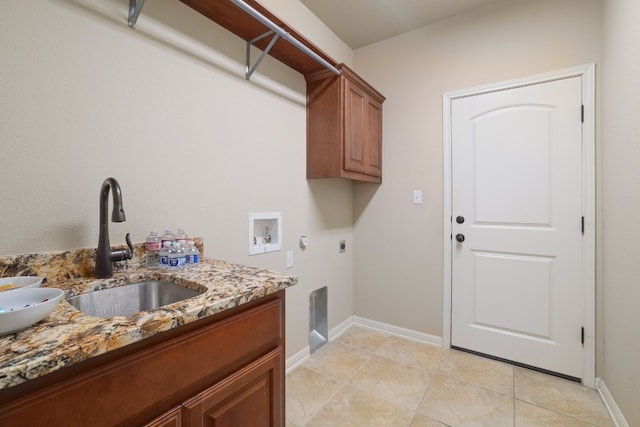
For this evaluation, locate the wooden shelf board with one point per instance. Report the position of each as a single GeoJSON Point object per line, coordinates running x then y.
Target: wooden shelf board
{"type": "Point", "coordinates": [234, 19]}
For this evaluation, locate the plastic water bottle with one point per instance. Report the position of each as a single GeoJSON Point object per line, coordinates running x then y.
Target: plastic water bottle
{"type": "Point", "coordinates": [177, 257]}
{"type": "Point", "coordinates": [181, 239]}
{"type": "Point", "coordinates": [152, 248]}
{"type": "Point", "coordinates": [193, 254]}
{"type": "Point", "coordinates": [164, 254]}
{"type": "Point", "coordinates": [167, 237]}
{"type": "Point", "coordinates": [181, 235]}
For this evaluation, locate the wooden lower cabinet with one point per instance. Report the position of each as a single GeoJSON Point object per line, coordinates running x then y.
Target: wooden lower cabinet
{"type": "Point", "coordinates": [248, 398]}
{"type": "Point", "coordinates": [226, 370]}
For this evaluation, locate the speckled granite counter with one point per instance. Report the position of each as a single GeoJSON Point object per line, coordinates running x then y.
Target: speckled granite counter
{"type": "Point", "coordinates": [68, 336]}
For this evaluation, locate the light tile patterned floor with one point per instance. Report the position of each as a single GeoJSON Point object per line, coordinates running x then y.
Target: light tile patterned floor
{"type": "Point", "coordinates": [368, 378]}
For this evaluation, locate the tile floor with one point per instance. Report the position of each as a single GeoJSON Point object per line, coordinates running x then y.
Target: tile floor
{"type": "Point", "coordinates": [368, 378]}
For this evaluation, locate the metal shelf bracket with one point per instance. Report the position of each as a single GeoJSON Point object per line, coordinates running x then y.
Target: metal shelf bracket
{"type": "Point", "coordinates": [135, 6]}
{"type": "Point", "coordinates": [279, 32]}
{"type": "Point", "coordinates": [249, 69]}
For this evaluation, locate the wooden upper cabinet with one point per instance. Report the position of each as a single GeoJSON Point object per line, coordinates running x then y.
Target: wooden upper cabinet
{"type": "Point", "coordinates": [344, 127]}
{"type": "Point", "coordinates": [344, 113]}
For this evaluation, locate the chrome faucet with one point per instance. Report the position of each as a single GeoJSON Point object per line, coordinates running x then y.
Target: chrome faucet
{"type": "Point", "coordinates": [105, 256]}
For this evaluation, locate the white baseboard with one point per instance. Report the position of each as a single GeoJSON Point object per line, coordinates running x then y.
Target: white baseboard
{"type": "Point", "coordinates": [610, 404]}
{"type": "Point", "coordinates": [340, 329]}
{"type": "Point", "coordinates": [398, 331]}
{"type": "Point", "coordinates": [298, 358]}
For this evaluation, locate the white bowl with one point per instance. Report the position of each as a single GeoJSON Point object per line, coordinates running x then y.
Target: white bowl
{"type": "Point", "coordinates": [9, 283]}
{"type": "Point", "coordinates": [22, 308]}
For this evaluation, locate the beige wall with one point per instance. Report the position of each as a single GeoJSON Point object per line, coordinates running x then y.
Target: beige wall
{"type": "Point", "coordinates": [621, 201]}
{"type": "Point", "coordinates": [398, 262]}
{"type": "Point", "coordinates": [399, 257]}
{"type": "Point", "coordinates": [166, 110]}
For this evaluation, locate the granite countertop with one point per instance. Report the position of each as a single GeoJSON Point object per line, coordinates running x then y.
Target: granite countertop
{"type": "Point", "coordinates": [68, 336]}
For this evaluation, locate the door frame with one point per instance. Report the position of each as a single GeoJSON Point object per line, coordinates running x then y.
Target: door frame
{"type": "Point", "coordinates": [587, 72]}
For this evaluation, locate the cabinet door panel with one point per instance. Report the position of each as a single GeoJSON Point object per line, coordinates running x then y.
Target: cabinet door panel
{"type": "Point", "coordinates": [252, 397]}
{"type": "Point", "coordinates": [355, 116]}
{"type": "Point", "coordinates": [373, 164]}
{"type": "Point", "coordinates": [173, 418]}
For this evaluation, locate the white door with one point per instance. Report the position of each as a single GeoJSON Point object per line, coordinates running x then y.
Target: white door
{"type": "Point", "coordinates": [516, 199]}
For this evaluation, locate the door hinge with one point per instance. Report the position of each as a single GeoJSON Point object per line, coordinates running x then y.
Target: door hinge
{"type": "Point", "coordinates": [582, 335]}
{"type": "Point", "coordinates": [582, 225]}
{"type": "Point", "coordinates": [582, 113]}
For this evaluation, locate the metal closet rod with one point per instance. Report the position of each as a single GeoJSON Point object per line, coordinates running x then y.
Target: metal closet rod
{"type": "Point", "coordinates": [282, 33]}
{"type": "Point", "coordinates": [135, 6]}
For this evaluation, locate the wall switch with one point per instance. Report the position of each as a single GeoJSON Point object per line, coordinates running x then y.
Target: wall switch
{"type": "Point", "coordinates": [417, 197]}
{"type": "Point", "coordinates": [289, 259]}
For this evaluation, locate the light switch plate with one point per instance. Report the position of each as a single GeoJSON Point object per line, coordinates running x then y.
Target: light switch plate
{"type": "Point", "coordinates": [417, 197]}
{"type": "Point", "coordinates": [289, 259]}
